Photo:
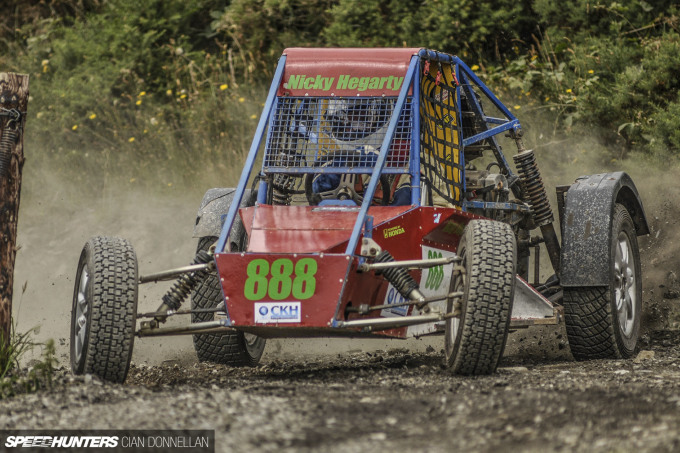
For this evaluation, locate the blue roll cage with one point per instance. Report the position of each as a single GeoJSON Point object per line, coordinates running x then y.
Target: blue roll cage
{"type": "Point", "coordinates": [466, 77]}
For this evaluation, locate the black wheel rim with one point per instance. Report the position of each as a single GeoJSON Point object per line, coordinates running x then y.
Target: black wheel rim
{"type": "Point", "coordinates": [250, 339]}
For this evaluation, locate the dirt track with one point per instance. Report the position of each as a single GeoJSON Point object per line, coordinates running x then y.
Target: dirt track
{"type": "Point", "coordinates": [387, 401]}
{"type": "Point", "coordinates": [337, 395]}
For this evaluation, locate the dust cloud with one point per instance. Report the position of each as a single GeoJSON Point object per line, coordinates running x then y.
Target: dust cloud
{"type": "Point", "coordinates": [561, 161]}
{"type": "Point", "coordinates": [58, 215]}
{"type": "Point", "coordinates": [56, 218]}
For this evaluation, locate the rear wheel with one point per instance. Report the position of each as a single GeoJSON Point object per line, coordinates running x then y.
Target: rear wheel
{"type": "Point", "coordinates": [604, 322]}
{"type": "Point", "coordinates": [233, 348]}
{"type": "Point", "coordinates": [104, 309]}
{"type": "Point", "coordinates": [475, 340]}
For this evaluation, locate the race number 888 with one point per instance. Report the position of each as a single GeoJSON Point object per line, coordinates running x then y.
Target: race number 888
{"type": "Point", "coordinates": [280, 280]}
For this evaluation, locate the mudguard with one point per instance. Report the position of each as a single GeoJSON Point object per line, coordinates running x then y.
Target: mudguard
{"type": "Point", "coordinates": [214, 207]}
{"type": "Point", "coordinates": [586, 229]}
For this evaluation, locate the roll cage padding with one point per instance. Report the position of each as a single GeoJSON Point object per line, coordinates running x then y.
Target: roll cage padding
{"type": "Point", "coordinates": [587, 223]}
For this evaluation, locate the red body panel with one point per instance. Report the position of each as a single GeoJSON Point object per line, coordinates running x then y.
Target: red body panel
{"type": "Point", "coordinates": [345, 72]}
{"type": "Point", "coordinates": [295, 265]}
{"type": "Point", "coordinates": [317, 310]}
{"type": "Point", "coordinates": [305, 229]}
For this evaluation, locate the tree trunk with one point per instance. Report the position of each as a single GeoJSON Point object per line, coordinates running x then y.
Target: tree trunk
{"type": "Point", "coordinates": [13, 107]}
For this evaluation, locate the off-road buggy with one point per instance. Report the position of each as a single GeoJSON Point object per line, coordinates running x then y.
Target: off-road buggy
{"type": "Point", "coordinates": [376, 201]}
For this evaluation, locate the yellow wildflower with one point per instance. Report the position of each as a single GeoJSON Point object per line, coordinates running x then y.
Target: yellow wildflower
{"type": "Point", "coordinates": [93, 116]}
{"type": "Point", "coordinates": [224, 86]}
{"type": "Point", "coordinates": [131, 139]}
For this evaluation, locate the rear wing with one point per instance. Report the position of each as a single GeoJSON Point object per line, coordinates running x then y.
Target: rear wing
{"type": "Point", "coordinates": [406, 112]}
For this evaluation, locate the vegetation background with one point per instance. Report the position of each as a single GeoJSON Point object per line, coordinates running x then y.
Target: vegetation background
{"type": "Point", "coordinates": [123, 89]}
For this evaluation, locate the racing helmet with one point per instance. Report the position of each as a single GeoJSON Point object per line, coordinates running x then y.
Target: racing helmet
{"type": "Point", "coordinates": [355, 119]}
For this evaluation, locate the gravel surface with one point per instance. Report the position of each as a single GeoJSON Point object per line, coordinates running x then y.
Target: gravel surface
{"type": "Point", "coordinates": [336, 395]}
{"type": "Point", "coordinates": [386, 400]}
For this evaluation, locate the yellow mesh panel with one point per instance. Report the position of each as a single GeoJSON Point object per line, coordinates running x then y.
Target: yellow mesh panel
{"type": "Point", "coordinates": [440, 140]}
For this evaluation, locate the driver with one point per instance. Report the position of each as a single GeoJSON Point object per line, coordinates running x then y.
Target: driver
{"type": "Point", "coordinates": [358, 128]}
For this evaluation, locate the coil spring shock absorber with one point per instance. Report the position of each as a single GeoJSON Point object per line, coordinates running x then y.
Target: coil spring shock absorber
{"type": "Point", "coordinates": [540, 206]}
{"type": "Point", "coordinates": [181, 289]}
{"type": "Point", "coordinates": [534, 188]}
{"type": "Point", "coordinates": [282, 185]}
{"type": "Point", "coordinates": [400, 279]}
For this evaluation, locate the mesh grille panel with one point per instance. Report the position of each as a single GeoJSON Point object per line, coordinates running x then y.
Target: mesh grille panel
{"type": "Point", "coordinates": [440, 157]}
{"type": "Point", "coordinates": [305, 132]}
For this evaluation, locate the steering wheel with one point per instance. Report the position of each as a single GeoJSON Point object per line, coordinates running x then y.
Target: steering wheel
{"type": "Point", "coordinates": [346, 188]}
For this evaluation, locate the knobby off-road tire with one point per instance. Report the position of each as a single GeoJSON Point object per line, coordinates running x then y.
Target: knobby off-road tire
{"type": "Point", "coordinates": [104, 309]}
{"type": "Point", "coordinates": [475, 341]}
{"type": "Point", "coordinates": [233, 348]}
{"type": "Point", "coordinates": [604, 322]}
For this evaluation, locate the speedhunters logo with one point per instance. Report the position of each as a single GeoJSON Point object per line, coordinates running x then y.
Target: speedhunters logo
{"type": "Point", "coordinates": [277, 312]}
{"type": "Point", "coordinates": [195, 441]}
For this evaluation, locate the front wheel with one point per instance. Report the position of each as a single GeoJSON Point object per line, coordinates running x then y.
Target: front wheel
{"type": "Point", "coordinates": [104, 309]}
{"type": "Point", "coordinates": [475, 338]}
{"type": "Point", "coordinates": [604, 322]}
{"type": "Point", "coordinates": [234, 348]}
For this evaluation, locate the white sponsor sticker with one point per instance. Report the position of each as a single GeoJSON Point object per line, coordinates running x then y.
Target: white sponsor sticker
{"type": "Point", "coordinates": [436, 281]}
{"type": "Point", "coordinates": [393, 297]}
{"type": "Point", "coordinates": [277, 312]}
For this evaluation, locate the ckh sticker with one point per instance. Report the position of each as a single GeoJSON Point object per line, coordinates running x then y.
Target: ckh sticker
{"type": "Point", "coordinates": [277, 312]}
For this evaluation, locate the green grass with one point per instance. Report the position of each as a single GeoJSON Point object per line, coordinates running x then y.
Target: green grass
{"type": "Point", "coordinates": [200, 138]}
{"type": "Point", "coordinates": [16, 380]}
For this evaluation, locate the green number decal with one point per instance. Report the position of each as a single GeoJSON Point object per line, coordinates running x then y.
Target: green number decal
{"type": "Point", "coordinates": [276, 280]}
{"type": "Point", "coordinates": [256, 283]}
{"type": "Point", "coordinates": [304, 284]}
{"type": "Point", "coordinates": [279, 284]}
{"type": "Point", "coordinates": [435, 275]}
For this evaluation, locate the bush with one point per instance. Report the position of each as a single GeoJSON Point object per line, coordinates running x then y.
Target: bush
{"type": "Point", "coordinates": [177, 86]}
{"type": "Point", "coordinates": [260, 29]}
{"type": "Point", "coordinates": [607, 67]}
{"type": "Point", "coordinates": [481, 30]}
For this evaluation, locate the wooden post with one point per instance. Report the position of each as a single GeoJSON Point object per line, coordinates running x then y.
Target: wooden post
{"type": "Point", "coordinates": [13, 107]}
